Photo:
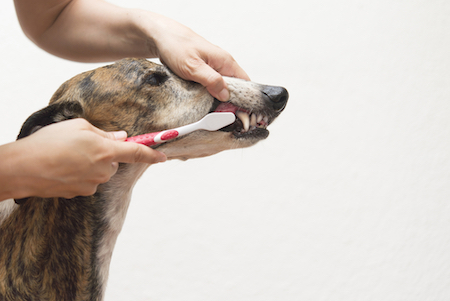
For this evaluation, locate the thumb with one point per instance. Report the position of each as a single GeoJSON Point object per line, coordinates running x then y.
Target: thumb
{"type": "Point", "coordinates": [118, 136]}
{"type": "Point", "coordinates": [127, 152]}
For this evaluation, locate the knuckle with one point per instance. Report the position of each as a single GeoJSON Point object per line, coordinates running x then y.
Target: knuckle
{"type": "Point", "coordinates": [103, 178]}
{"type": "Point", "coordinates": [192, 63]}
{"type": "Point", "coordinates": [69, 195]}
{"type": "Point", "coordinates": [81, 122]}
{"type": "Point", "coordinates": [89, 190]}
{"type": "Point", "coordinates": [188, 67]}
{"type": "Point", "coordinates": [138, 154]}
{"type": "Point", "coordinates": [103, 175]}
{"type": "Point", "coordinates": [214, 79]}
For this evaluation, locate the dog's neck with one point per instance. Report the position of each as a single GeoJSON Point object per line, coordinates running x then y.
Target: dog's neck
{"type": "Point", "coordinates": [117, 194]}
{"type": "Point", "coordinates": [76, 235]}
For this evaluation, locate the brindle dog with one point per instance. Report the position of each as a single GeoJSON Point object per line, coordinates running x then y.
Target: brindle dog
{"type": "Point", "coordinates": [60, 249]}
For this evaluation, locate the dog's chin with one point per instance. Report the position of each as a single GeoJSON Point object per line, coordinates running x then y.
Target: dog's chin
{"type": "Point", "coordinates": [252, 133]}
{"type": "Point", "coordinates": [201, 144]}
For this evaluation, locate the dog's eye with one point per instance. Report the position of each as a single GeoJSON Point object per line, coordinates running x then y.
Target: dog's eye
{"type": "Point", "coordinates": [156, 78]}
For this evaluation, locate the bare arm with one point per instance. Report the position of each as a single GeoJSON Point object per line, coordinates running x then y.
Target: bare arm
{"type": "Point", "coordinates": [82, 30]}
{"type": "Point", "coordinates": [94, 30]}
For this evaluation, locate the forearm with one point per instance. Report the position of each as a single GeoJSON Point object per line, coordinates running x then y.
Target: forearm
{"type": "Point", "coordinates": [88, 30]}
{"type": "Point", "coordinates": [13, 180]}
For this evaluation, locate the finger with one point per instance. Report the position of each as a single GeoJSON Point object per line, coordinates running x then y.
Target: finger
{"type": "Point", "coordinates": [88, 126]}
{"type": "Point", "coordinates": [240, 73]}
{"type": "Point", "coordinates": [114, 168]}
{"type": "Point", "coordinates": [119, 135]}
{"type": "Point", "coordinates": [115, 135]}
{"type": "Point", "coordinates": [127, 152]}
{"type": "Point", "coordinates": [202, 73]}
{"type": "Point", "coordinates": [233, 70]}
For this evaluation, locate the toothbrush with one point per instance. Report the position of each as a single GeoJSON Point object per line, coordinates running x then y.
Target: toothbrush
{"type": "Point", "coordinates": [211, 122]}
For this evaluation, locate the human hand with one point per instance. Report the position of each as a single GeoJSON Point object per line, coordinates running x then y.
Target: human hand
{"type": "Point", "coordinates": [193, 58]}
{"type": "Point", "coordinates": [73, 157]}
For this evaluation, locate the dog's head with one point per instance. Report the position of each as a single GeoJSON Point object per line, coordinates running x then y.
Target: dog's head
{"type": "Point", "coordinates": [139, 96]}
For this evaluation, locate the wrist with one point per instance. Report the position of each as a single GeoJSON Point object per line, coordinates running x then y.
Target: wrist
{"type": "Point", "coordinates": [147, 26]}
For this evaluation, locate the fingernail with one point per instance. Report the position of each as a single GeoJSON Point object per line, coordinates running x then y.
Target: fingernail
{"type": "Point", "coordinates": [120, 135]}
{"type": "Point", "coordinates": [224, 95]}
{"type": "Point", "coordinates": [162, 158]}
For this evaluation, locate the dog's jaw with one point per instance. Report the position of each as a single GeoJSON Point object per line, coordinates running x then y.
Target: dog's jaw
{"type": "Point", "coordinates": [197, 145]}
{"type": "Point", "coordinates": [253, 115]}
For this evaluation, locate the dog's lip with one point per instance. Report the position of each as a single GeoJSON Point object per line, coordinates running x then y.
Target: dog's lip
{"type": "Point", "coordinates": [226, 107]}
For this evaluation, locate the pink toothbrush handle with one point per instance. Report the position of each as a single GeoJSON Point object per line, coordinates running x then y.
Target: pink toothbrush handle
{"type": "Point", "coordinates": [154, 138]}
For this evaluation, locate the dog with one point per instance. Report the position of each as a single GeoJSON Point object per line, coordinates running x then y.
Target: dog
{"type": "Point", "coordinates": [60, 249]}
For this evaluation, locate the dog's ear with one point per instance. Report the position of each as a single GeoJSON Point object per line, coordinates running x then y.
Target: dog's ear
{"type": "Point", "coordinates": [51, 114]}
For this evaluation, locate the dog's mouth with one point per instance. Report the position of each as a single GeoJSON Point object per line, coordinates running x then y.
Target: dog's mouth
{"type": "Point", "coordinates": [248, 124]}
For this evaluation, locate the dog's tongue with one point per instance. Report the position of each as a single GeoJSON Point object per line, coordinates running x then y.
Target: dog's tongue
{"type": "Point", "coordinates": [226, 107]}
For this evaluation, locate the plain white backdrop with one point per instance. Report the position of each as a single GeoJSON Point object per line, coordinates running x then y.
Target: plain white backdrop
{"type": "Point", "coordinates": [348, 198]}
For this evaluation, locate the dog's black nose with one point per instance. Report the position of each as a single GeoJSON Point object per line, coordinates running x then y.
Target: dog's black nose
{"type": "Point", "coordinates": [276, 97]}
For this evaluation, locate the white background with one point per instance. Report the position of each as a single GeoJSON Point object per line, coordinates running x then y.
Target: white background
{"type": "Point", "coordinates": [348, 198]}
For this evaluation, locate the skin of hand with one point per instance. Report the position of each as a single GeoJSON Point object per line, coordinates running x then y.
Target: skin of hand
{"type": "Point", "coordinates": [197, 59]}
{"type": "Point", "coordinates": [94, 31]}
{"type": "Point", "coordinates": [51, 163]}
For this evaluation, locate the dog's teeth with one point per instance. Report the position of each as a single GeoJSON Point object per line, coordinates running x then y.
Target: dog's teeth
{"type": "Point", "coordinates": [259, 118]}
{"type": "Point", "coordinates": [253, 120]}
{"type": "Point", "coordinates": [245, 119]}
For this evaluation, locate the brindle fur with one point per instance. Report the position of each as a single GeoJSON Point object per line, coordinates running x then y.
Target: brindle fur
{"type": "Point", "coordinates": [60, 249]}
